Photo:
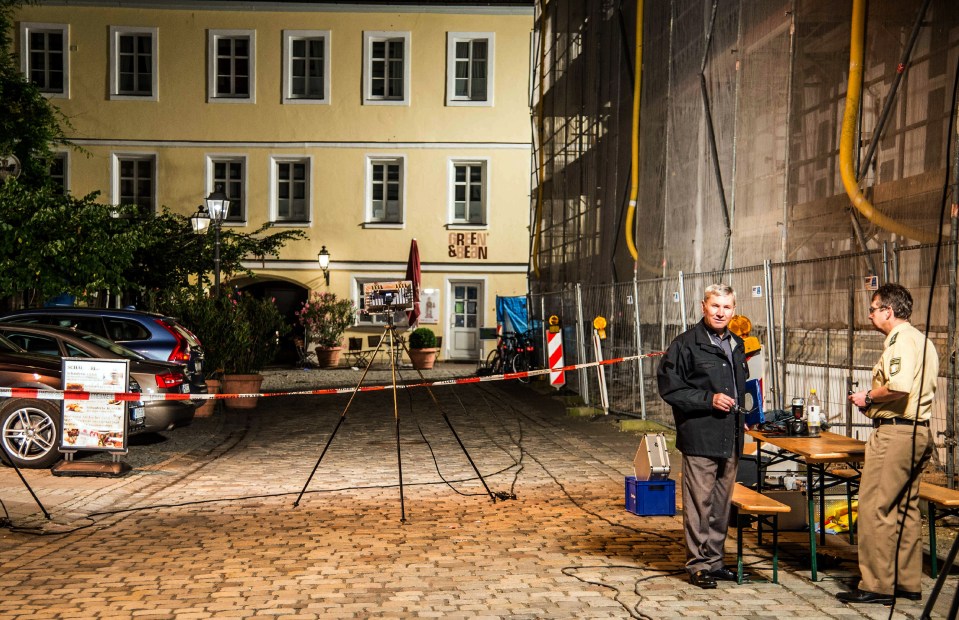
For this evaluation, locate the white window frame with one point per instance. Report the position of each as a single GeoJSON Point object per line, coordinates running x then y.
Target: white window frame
{"type": "Point", "coordinates": [211, 182]}
{"type": "Point", "coordinates": [400, 319]}
{"type": "Point", "coordinates": [288, 37]}
{"type": "Point", "coordinates": [372, 160]}
{"type": "Point", "coordinates": [452, 38]}
{"type": "Point", "coordinates": [275, 195]}
{"type": "Point", "coordinates": [65, 157]}
{"type": "Point", "coordinates": [376, 36]}
{"type": "Point", "coordinates": [115, 173]}
{"type": "Point", "coordinates": [26, 28]}
{"type": "Point", "coordinates": [212, 37]}
{"type": "Point", "coordinates": [484, 163]}
{"type": "Point", "coordinates": [115, 33]}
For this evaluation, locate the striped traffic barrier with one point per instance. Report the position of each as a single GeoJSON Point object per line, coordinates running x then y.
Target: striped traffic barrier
{"type": "Point", "coordinates": [554, 351]}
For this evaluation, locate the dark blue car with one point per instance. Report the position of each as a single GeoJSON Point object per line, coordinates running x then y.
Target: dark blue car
{"type": "Point", "coordinates": [152, 335]}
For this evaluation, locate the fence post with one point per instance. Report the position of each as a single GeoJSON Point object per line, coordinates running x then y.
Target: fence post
{"type": "Point", "coordinates": [850, 349]}
{"type": "Point", "coordinates": [581, 346]}
{"type": "Point", "coordinates": [885, 262]}
{"type": "Point", "coordinates": [682, 300]}
{"type": "Point", "coordinates": [775, 388]}
{"type": "Point", "coordinates": [542, 329]}
{"type": "Point", "coordinates": [639, 349]}
{"type": "Point", "coordinates": [895, 261]}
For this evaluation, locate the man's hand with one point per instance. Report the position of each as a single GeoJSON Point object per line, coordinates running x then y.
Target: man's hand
{"type": "Point", "coordinates": [723, 402]}
{"type": "Point", "coordinates": [858, 399]}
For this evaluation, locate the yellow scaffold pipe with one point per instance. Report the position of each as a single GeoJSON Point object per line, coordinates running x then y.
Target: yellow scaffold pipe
{"type": "Point", "coordinates": [634, 165]}
{"type": "Point", "coordinates": [847, 139]}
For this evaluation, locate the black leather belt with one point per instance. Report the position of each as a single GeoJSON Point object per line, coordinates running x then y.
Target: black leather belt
{"type": "Point", "coordinates": [877, 422]}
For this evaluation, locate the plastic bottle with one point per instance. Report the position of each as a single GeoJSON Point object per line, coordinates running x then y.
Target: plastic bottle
{"type": "Point", "coordinates": [813, 413]}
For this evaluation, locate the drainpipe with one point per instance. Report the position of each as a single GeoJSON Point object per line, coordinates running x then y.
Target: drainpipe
{"type": "Point", "coordinates": [847, 138]}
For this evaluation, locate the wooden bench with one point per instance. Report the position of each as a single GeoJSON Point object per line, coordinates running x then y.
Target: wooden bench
{"type": "Point", "coordinates": [943, 503]}
{"type": "Point", "coordinates": [753, 506]}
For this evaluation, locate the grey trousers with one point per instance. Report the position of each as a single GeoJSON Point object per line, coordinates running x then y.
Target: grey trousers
{"type": "Point", "coordinates": [707, 490]}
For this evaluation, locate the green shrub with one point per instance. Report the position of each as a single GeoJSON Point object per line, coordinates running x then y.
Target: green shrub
{"type": "Point", "coordinates": [239, 333]}
{"type": "Point", "coordinates": [422, 338]}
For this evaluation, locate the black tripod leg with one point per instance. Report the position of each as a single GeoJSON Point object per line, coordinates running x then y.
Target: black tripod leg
{"type": "Point", "coordinates": [396, 416]}
{"type": "Point", "coordinates": [322, 454]}
{"type": "Point", "coordinates": [30, 489]}
{"type": "Point", "coordinates": [940, 580]}
{"type": "Point", "coordinates": [453, 430]}
{"type": "Point", "coordinates": [339, 422]}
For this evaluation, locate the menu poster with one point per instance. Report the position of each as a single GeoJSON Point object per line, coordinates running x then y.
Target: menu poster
{"type": "Point", "coordinates": [100, 422]}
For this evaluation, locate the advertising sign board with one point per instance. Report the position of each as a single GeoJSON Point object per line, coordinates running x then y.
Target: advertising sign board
{"type": "Point", "coordinates": [98, 422]}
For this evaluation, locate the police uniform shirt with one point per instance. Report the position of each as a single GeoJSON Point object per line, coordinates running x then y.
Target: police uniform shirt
{"type": "Point", "coordinates": [901, 369]}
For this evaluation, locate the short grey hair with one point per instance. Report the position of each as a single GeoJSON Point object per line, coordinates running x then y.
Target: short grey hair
{"type": "Point", "coordinates": [719, 289]}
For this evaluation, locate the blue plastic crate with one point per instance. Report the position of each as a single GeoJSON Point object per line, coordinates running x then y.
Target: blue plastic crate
{"type": "Point", "coordinates": [650, 497]}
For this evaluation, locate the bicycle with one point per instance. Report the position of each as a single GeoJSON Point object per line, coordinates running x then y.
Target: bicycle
{"type": "Point", "coordinates": [513, 353]}
{"type": "Point", "coordinates": [523, 358]}
{"type": "Point", "coordinates": [500, 359]}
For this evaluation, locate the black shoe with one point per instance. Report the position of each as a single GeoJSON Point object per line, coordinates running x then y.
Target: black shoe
{"type": "Point", "coordinates": [909, 596]}
{"type": "Point", "coordinates": [864, 596]}
{"type": "Point", "coordinates": [725, 574]}
{"type": "Point", "coordinates": [702, 579]}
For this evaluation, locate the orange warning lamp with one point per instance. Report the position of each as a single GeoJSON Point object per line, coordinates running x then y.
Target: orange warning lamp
{"type": "Point", "coordinates": [599, 324]}
{"type": "Point", "coordinates": [741, 326]}
{"type": "Point", "coordinates": [553, 324]}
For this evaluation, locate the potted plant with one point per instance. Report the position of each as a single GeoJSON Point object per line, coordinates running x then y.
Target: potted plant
{"type": "Point", "coordinates": [325, 319]}
{"type": "Point", "coordinates": [240, 335]}
{"type": "Point", "coordinates": [423, 348]}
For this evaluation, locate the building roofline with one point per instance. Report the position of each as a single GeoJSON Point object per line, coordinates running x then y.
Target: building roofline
{"type": "Point", "coordinates": [490, 7]}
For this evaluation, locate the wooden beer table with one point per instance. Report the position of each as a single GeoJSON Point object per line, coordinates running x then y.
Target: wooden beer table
{"type": "Point", "coordinates": [815, 453]}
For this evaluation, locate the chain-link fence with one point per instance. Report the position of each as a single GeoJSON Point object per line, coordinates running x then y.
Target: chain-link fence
{"type": "Point", "coordinates": [812, 335]}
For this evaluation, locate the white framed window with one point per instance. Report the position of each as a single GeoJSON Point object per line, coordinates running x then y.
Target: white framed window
{"type": "Point", "coordinates": [291, 189]}
{"type": "Point", "coordinates": [231, 74]}
{"type": "Point", "coordinates": [469, 68]}
{"type": "Point", "coordinates": [228, 172]}
{"type": "Point", "coordinates": [60, 171]}
{"type": "Point", "coordinates": [133, 63]}
{"type": "Point", "coordinates": [306, 66]}
{"type": "Point", "coordinates": [400, 319]}
{"type": "Point", "coordinates": [386, 68]}
{"type": "Point", "coordinates": [45, 57]}
{"type": "Point", "coordinates": [134, 180]}
{"type": "Point", "coordinates": [385, 188]}
{"type": "Point", "coordinates": [468, 191]}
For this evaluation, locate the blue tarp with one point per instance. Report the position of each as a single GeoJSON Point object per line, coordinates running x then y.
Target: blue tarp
{"type": "Point", "coordinates": [511, 314]}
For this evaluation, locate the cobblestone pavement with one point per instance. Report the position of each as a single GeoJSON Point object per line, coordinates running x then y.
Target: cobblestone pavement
{"type": "Point", "coordinates": [207, 526]}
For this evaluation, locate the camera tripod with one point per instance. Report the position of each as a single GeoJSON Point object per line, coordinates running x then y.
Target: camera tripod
{"type": "Point", "coordinates": [389, 333]}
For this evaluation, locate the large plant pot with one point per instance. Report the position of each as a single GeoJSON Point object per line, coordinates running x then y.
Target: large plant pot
{"type": "Point", "coordinates": [240, 384]}
{"type": "Point", "coordinates": [327, 357]}
{"type": "Point", "coordinates": [209, 405]}
{"type": "Point", "coordinates": [423, 359]}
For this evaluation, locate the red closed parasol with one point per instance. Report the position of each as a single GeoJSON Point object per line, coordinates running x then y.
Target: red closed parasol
{"type": "Point", "coordinates": [413, 275]}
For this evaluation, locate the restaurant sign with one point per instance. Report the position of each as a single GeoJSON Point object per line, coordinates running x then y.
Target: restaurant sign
{"type": "Point", "coordinates": [97, 421]}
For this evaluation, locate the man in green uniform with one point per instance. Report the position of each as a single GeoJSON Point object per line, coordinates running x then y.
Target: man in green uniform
{"type": "Point", "coordinates": [900, 405]}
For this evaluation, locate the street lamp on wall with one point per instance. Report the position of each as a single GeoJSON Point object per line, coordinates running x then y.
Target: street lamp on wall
{"type": "Point", "coordinates": [324, 259]}
{"type": "Point", "coordinates": [217, 205]}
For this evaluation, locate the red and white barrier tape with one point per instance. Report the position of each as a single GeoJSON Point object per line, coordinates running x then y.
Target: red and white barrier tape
{"type": "Point", "coordinates": [138, 396]}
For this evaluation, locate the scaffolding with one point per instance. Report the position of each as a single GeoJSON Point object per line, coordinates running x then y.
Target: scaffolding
{"type": "Point", "coordinates": [749, 119]}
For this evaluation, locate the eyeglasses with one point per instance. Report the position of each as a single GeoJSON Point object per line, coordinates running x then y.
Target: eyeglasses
{"type": "Point", "coordinates": [874, 308]}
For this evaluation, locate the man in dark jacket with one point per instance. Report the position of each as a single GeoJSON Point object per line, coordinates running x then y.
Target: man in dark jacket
{"type": "Point", "coordinates": [703, 377]}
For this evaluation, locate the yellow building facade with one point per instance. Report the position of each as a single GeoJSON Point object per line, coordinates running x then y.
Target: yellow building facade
{"type": "Point", "coordinates": [366, 126]}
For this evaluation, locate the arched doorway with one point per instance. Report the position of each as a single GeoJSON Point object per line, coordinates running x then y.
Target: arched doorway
{"type": "Point", "coordinates": [289, 297]}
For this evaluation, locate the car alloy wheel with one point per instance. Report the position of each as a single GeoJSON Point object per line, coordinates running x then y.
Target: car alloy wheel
{"type": "Point", "coordinates": [29, 433]}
